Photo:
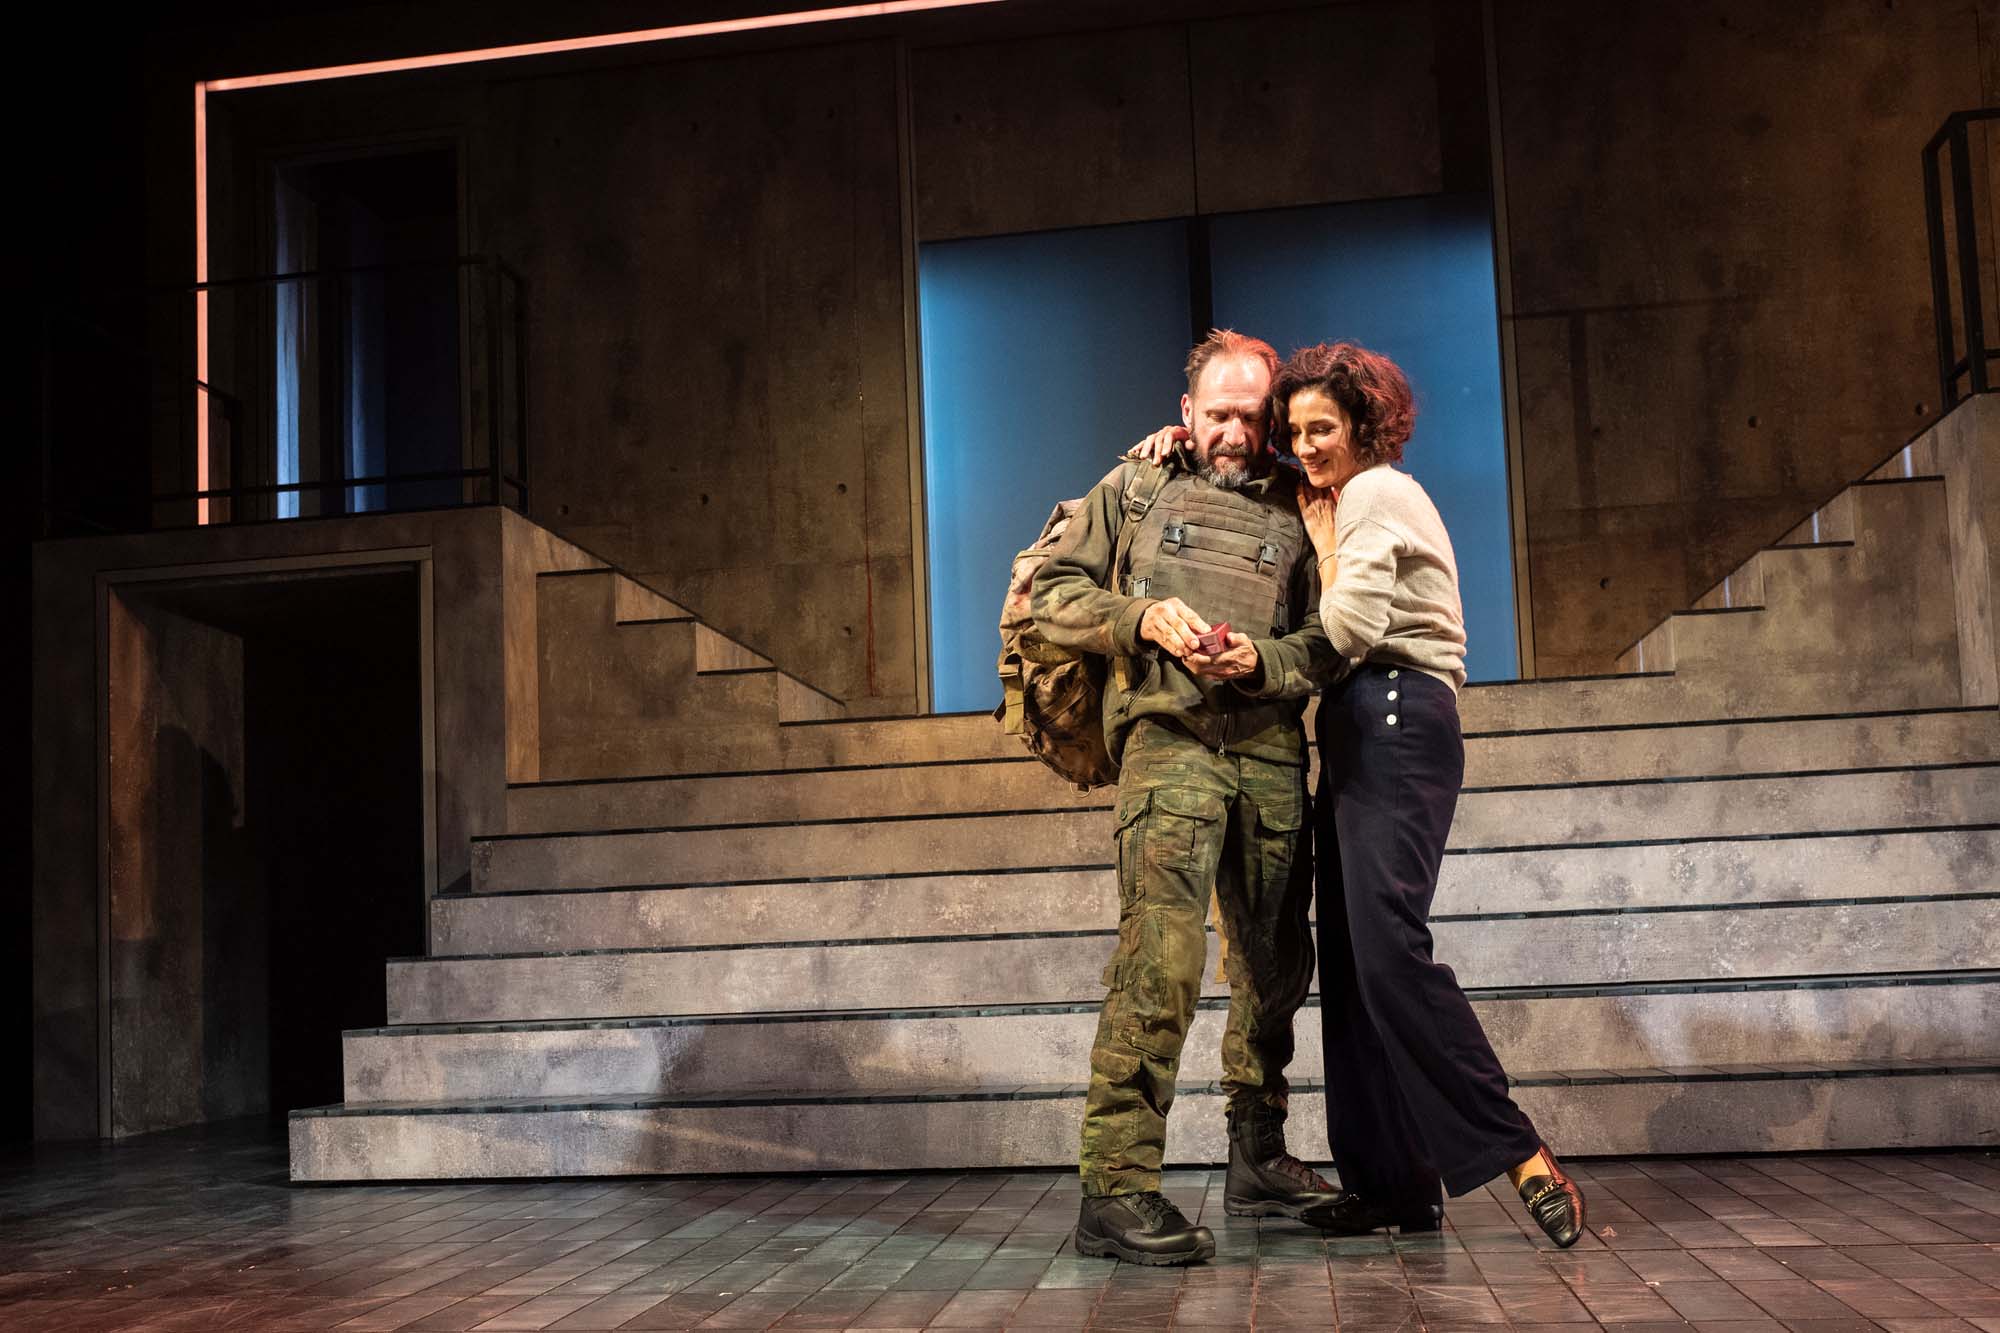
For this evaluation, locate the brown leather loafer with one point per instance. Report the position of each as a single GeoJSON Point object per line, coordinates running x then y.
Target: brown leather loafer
{"type": "Point", "coordinates": [1555, 1203]}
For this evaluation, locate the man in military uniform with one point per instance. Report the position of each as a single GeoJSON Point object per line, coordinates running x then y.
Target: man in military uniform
{"type": "Point", "coordinates": [1211, 792]}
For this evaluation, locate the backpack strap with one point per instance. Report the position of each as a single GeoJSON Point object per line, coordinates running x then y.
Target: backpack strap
{"type": "Point", "coordinates": [1136, 507]}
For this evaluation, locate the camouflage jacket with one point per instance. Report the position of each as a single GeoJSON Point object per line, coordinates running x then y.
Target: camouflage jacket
{"type": "Point", "coordinates": [1081, 603]}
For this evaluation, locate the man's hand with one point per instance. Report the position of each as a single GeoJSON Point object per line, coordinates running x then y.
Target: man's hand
{"type": "Point", "coordinates": [1155, 447]}
{"type": "Point", "coordinates": [1236, 661]}
{"type": "Point", "coordinates": [1173, 625]}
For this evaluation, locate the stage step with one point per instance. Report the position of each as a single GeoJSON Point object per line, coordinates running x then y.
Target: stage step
{"type": "Point", "coordinates": [1659, 698]}
{"type": "Point", "coordinates": [1612, 703]}
{"type": "Point", "coordinates": [893, 740]}
{"type": "Point", "coordinates": [1851, 1105]}
{"type": "Point", "coordinates": [1576, 879]}
{"type": "Point", "coordinates": [1553, 816]}
{"type": "Point", "coordinates": [1820, 613]}
{"type": "Point", "coordinates": [1848, 935]}
{"type": "Point", "coordinates": [632, 682]}
{"type": "Point", "coordinates": [1819, 1018]}
{"type": "Point", "coordinates": [1811, 743]}
{"type": "Point", "coordinates": [885, 790]}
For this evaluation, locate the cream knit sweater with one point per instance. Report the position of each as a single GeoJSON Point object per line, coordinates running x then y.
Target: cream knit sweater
{"type": "Point", "coordinates": [1392, 594]}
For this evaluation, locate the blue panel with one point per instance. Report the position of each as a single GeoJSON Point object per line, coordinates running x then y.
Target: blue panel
{"type": "Point", "coordinates": [1044, 357]}
{"type": "Point", "coordinates": [1412, 278]}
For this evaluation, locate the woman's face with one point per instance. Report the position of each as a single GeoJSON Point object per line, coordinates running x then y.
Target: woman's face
{"type": "Point", "coordinates": [1322, 438]}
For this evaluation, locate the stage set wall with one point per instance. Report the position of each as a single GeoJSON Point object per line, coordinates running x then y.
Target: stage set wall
{"type": "Point", "coordinates": [1709, 218]}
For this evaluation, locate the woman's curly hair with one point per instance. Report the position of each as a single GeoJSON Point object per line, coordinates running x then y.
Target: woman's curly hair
{"type": "Point", "coordinates": [1369, 387]}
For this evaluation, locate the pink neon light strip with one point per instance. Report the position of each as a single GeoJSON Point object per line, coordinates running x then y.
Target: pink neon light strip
{"type": "Point", "coordinates": [711, 29]}
{"type": "Point", "coordinates": [437, 60]}
{"type": "Point", "coordinates": [201, 442]}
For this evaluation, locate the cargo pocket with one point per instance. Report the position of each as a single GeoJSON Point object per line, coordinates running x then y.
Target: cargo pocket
{"type": "Point", "coordinates": [1183, 821]}
{"type": "Point", "coordinates": [1131, 850]}
{"type": "Point", "coordinates": [1278, 821]}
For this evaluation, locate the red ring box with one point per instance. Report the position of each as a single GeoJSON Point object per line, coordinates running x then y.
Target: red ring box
{"type": "Point", "coordinates": [1215, 641]}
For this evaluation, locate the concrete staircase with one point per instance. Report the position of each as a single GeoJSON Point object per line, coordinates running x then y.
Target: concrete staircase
{"type": "Point", "coordinates": [630, 682]}
{"type": "Point", "coordinates": [1743, 897]}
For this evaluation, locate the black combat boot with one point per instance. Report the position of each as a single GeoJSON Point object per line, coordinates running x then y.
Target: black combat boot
{"type": "Point", "coordinates": [1264, 1180]}
{"type": "Point", "coordinates": [1140, 1229]}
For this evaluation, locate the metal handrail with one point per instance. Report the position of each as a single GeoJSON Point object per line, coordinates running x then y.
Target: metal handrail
{"type": "Point", "coordinates": [302, 275]}
{"type": "Point", "coordinates": [1972, 365]}
{"type": "Point", "coordinates": [340, 483]}
{"type": "Point", "coordinates": [498, 283]}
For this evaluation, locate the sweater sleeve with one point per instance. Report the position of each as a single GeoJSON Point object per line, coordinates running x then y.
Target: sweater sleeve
{"type": "Point", "coordinates": [1354, 608]}
{"type": "Point", "coordinates": [1073, 605]}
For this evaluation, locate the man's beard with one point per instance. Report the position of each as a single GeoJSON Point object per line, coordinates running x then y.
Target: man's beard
{"type": "Point", "coordinates": [1227, 479]}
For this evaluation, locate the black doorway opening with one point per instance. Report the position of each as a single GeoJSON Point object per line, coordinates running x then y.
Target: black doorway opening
{"type": "Point", "coordinates": [323, 876]}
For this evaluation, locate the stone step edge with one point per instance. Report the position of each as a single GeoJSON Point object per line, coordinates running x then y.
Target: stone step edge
{"type": "Point", "coordinates": [929, 816]}
{"type": "Point", "coordinates": [1751, 1073]}
{"type": "Point", "coordinates": [985, 761]}
{"type": "Point", "coordinates": [1009, 936]}
{"type": "Point", "coordinates": [658, 886]}
{"type": "Point", "coordinates": [1774, 720]}
{"type": "Point", "coordinates": [1573, 991]}
{"type": "Point", "coordinates": [886, 717]}
{"type": "Point", "coordinates": [687, 617]}
{"type": "Point", "coordinates": [1782, 545]}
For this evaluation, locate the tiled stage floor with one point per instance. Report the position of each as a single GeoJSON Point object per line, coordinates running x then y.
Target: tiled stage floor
{"type": "Point", "coordinates": [201, 1231]}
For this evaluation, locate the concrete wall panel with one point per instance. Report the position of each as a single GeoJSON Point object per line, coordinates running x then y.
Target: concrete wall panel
{"type": "Point", "coordinates": [1070, 131]}
{"type": "Point", "coordinates": [1719, 266]}
{"type": "Point", "coordinates": [716, 369]}
{"type": "Point", "coordinates": [188, 918]}
{"type": "Point", "coordinates": [1315, 107]}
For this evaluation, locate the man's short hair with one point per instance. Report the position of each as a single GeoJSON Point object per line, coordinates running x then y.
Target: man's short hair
{"type": "Point", "coordinates": [1228, 342]}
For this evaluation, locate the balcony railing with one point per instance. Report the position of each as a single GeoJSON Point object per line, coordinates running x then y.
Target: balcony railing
{"type": "Point", "coordinates": [1962, 273]}
{"type": "Point", "coordinates": [336, 391]}
{"type": "Point", "coordinates": [350, 390]}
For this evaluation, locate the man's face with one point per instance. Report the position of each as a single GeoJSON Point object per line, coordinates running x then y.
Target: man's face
{"type": "Point", "coordinates": [1225, 417]}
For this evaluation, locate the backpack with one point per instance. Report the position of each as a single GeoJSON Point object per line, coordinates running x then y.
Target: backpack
{"type": "Point", "coordinates": [1052, 698]}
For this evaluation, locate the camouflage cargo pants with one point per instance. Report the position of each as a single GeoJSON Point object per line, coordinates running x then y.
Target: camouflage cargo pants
{"type": "Point", "coordinates": [1191, 822]}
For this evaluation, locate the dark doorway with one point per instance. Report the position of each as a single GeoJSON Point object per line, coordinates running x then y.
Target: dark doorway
{"type": "Point", "coordinates": [277, 902]}
{"type": "Point", "coordinates": [367, 354]}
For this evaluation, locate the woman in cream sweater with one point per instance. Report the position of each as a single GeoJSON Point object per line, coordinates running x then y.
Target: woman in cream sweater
{"type": "Point", "coordinates": [1415, 1096]}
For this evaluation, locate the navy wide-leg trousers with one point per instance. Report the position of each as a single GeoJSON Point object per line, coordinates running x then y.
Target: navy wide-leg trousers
{"type": "Point", "coordinates": [1414, 1093]}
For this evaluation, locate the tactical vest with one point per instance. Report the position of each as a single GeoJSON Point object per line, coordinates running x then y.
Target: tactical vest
{"type": "Point", "coordinates": [1228, 555]}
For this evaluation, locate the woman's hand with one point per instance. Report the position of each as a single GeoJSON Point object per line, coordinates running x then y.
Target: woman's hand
{"type": "Point", "coordinates": [1316, 506]}
{"type": "Point", "coordinates": [1155, 447]}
